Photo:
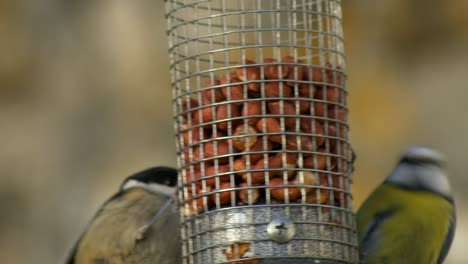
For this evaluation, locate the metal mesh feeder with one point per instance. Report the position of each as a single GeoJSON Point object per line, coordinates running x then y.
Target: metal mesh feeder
{"type": "Point", "coordinates": [261, 121]}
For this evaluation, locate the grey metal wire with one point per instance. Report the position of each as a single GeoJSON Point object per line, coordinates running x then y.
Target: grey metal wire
{"type": "Point", "coordinates": [210, 39]}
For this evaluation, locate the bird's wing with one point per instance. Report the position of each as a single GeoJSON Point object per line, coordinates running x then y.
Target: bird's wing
{"type": "Point", "coordinates": [371, 218]}
{"type": "Point", "coordinates": [144, 228]}
{"type": "Point", "coordinates": [70, 257]}
{"type": "Point", "coordinates": [448, 239]}
{"type": "Point", "coordinates": [130, 210]}
{"type": "Point", "coordinates": [371, 231]}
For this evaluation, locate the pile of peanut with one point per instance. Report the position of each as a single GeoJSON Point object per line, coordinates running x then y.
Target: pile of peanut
{"type": "Point", "coordinates": [278, 127]}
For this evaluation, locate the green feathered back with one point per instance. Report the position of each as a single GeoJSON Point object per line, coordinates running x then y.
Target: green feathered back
{"type": "Point", "coordinates": [397, 225]}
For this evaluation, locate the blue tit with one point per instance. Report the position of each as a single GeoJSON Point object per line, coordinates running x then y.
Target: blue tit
{"type": "Point", "coordinates": [410, 217]}
{"type": "Point", "coordinates": [139, 224]}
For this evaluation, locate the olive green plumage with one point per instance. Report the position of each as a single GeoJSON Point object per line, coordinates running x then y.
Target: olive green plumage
{"type": "Point", "coordinates": [410, 218]}
{"type": "Point", "coordinates": [413, 229]}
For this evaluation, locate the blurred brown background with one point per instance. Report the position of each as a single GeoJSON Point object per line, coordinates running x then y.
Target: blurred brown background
{"type": "Point", "coordinates": [85, 101]}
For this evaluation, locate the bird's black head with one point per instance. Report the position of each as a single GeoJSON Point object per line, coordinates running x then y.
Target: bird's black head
{"type": "Point", "coordinates": [159, 179]}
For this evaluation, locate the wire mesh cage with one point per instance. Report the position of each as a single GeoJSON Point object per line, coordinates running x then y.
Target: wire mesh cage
{"type": "Point", "coordinates": [261, 125]}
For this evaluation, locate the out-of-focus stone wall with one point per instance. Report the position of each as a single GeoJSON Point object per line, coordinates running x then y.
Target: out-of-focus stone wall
{"type": "Point", "coordinates": [85, 101]}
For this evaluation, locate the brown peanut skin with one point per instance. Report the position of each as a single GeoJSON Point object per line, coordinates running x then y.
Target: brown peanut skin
{"type": "Point", "coordinates": [324, 194]}
{"type": "Point", "coordinates": [312, 126]}
{"type": "Point", "coordinates": [306, 143]}
{"type": "Point", "coordinates": [326, 86]}
{"type": "Point", "coordinates": [291, 79]}
{"type": "Point", "coordinates": [234, 91]}
{"type": "Point", "coordinates": [204, 115]}
{"type": "Point", "coordinates": [330, 74]}
{"type": "Point", "coordinates": [291, 164]}
{"type": "Point", "coordinates": [222, 147]}
{"type": "Point", "coordinates": [333, 131]}
{"type": "Point", "coordinates": [340, 197]}
{"type": "Point", "coordinates": [188, 104]}
{"type": "Point", "coordinates": [304, 106]}
{"type": "Point", "coordinates": [313, 74]}
{"type": "Point", "coordinates": [224, 196]}
{"type": "Point", "coordinates": [309, 162]}
{"type": "Point", "coordinates": [222, 112]}
{"type": "Point", "coordinates": [190, 208]}
{"type": "Point", "coordinates": [338, 113]}
{"type": "Point", "coordinates": [211, 171]}
{"type": "Point", "coordinates": [212, 95]}
{"type": "Point", "coordinates": [250, 73]}
{"type": "Point", "coordinates": [272, 69]}
{"type": "Point", "coordinates": [319, 109]}
{"type": "Point", "coordinates": [240, 166]}
{"type": "Point", "coordinates": [258, 177]}
{"type": "Point", "coordinates": [244, 194]}
{"type": "Point", "coordinates": [279, 193]}
{"type": "Point", "coordinates": [288, 109]}
{"type": "Point", "coordinates": [258, 146]}
{"type": "Point", "coordinates": [192, 135]}
{"type": "Point", "coordinates": [241, 143]}
{"type": "Point", "coordinates": [306, 90]}
{"type": "Point", "coordinates": [292, 68]}
{"type": "Point", "coordinates": [270, 125]}
{"type": "Point", "coordinates": [252, 108]}
{"type": "Point", "coordinates": [277, 90]}
{"type": "Point", "coordinates": [330, 94]}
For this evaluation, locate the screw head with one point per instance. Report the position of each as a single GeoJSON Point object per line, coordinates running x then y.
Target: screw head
{"type": "Point", "coordinates": [281, 230]}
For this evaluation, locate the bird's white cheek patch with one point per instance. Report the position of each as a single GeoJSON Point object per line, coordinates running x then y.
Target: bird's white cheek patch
{"type": "Point", "coordinates": [152, 187]}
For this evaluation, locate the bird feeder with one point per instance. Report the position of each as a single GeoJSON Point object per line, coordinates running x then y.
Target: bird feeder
{"type": "Point", "coordinates": [260, 116]}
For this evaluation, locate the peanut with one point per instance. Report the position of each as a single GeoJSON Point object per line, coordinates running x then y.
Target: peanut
{"type": "Point", "coordinates": [250, 73]}
{"type": "Point", "coordinates": [191, 136]}
{"type": "Point", "coordinates": [281, 193]}
{"type": "Point", "coordinates": [210, 94]}
{"type": "Point", "coordinates": [330, 94]}
{"type": "Point", "coordinates": [306, 143]}
{"type": "Point", "coordinates": [304, 106]}
{"type": "Point", "coordinates": [197, 205]}
{"type": "Point", "coordinates": [306, 90]}
{"type": "Point", "coordinates": [211, 174]}
{"type": "Point", "coordinates": [272, 69]}
{"type": "Point", "coordinates": [244, 137]}
{"type": "Point", "coordinates": [223, 193]}
{"type": "Point", "coordinates": [233, 92]}
{"type": "Point", "coordinates": [252, 108]}
{"type": "Point", "coordinates": [288, 109]}
{"type": "Point", "coordinates": [312, 126]}
{"type": "Point", "coordinates": [338, 113]}
{"type": "Point", "coordinates": [235, 112]}
{"type": "Point", "coordinates": [277, 90]}
{"type": "Point", "coordinates": [188, 104]}
{"type": "Point", "coordinates": [258, 177]}
{"type": "Point", "coordinates": [271, 127]}
{"type": "Point", "coordinates": [222, 149]}
{"type": "Point", "coordinates": [316, 161]}
{"type": "Point", "coordinates": [222, 113]}
{"type": "Point", "coordinates": [244, 194]}
{"type": "Point", "coordinates": [258, 147]}
{"type": "Point", "coordinates": [305, 178]}
{"type": "Point", "coordinates": [322, 193]}
{"type": "Point", "coordinates": [313, 74]}
{"type": "Point", "coordinates": [204, 115]}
